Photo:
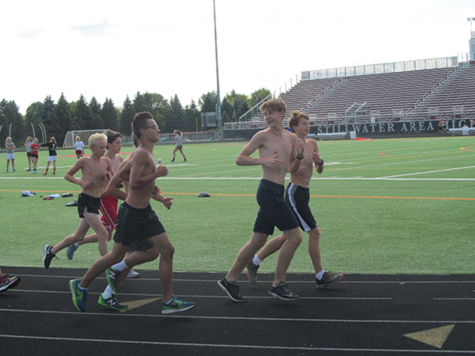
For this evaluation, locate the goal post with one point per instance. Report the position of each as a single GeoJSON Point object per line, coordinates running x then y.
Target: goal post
{"type": "Point", "coordinates": [70, 137]}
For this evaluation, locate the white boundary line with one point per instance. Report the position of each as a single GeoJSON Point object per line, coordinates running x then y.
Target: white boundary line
{"type": "Point", "coordinates": [242, 318]}
{"type": "Point", "coordinates": [227, 346]}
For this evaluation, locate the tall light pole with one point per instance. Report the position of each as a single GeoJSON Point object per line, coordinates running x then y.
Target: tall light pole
{"type": "Point", "coordinates": [472, 40]}
{"type": "Point", "coordinates": [218, 104]}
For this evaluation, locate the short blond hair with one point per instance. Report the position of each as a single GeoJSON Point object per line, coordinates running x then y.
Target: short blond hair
{"type": "Point", "coordinates": [96, 137]}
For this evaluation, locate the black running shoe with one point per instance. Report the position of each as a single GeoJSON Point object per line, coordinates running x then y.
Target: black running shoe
{"type": "Point", "coordinates": [328, 279]}
{"type": "Point", "coordinates": [232, 289]}
{"type": "Point", "coordinates": [283, 292]}
{"type": "Point", "coordinates": [252, 272]}
{"type": "Point", "coordinates": [113, 278]}
{"type": "Point", "coordinates": [48, 256]}
{"type": "Point", "coordinates": [112, 303]}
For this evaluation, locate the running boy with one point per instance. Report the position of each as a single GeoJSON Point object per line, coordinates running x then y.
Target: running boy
{"type": "Point", "coordinates": [109, 203]}
{"type": "Point", "coordinates": [297, 195]}
{"type": "Point", "coordinates": [137, 221]}
{"type": "Point", "coordinates": [94, 170]}
{"type": "Point", "coordinates": [279, 149]}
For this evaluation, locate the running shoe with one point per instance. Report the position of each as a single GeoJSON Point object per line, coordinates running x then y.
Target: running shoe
{"type": "Point", "coordinates": [79, 296]}
{"type": "Point", "coordinates": [133, 274]}
{"type": "Point", "coordinates": [283, 292]}
{"type": "Point", "coordinates": [48, 250]}
{"type": "Point", "coordinates": [328, 279]}
{"type": "Point", "coordinates": [232, 289]}
{"type": "Point", "coordinates": [112, 303]}
{"type": "Point", "coordinates": [252, 272]}
{"type": "Point", "coordinates": [8, 282]}
{"type": "Point", "coordinates": [112, 276]}
{"type": "Point", "coordinates": [176, 305]}
{"type": "Point", "coordinates": [70, 251]}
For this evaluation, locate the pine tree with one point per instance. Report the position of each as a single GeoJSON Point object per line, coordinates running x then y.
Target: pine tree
{"type": "Point", "coordinates": [46, 115]}
{"type": "Point", "coordinates": [193, 117]}
{"type": "Point", "coordinates": [109, 115]}
{"type": "Point", "coordinates": [176, 119]}
{"type": "Point", "coordinates": [62, 119]}
{"type": "Point", "coordinates": [83, 114]}
{"type": "Point", "coordinates": [13, 117]}
{"type": "Point", "coordinates": [126, 117]}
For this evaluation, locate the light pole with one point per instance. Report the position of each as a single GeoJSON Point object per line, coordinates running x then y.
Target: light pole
{"type": "Point", "coordinates": [471, 19]}
{"type": "Point", "coordinates": [218, 104]}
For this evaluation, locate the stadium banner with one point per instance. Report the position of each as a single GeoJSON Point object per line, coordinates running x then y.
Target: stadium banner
{"type": "Point", "coordinates": [366, 129]}
{"type": "Point", "coordinates": [400, 127]}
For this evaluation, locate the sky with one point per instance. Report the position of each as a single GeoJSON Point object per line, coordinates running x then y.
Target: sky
{"type": "Point", "coordinates": [111, 49]}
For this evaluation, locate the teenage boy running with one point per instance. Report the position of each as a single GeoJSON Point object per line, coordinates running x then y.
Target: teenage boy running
{"type": "Point", "coordinates": [137, 221]}
{"type": "Point", "coordinates": [94, 170]}
{"type": "Point", "coordinates": [279, 149]}
{"type": "Point", "coordinates": [297, 194]}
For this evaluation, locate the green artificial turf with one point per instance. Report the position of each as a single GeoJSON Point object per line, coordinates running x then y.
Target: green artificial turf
{"type": "Point", "coordinates": [384, 206]}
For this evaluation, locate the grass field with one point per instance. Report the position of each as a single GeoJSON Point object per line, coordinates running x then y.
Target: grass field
{"type": "Point", "coordinates": [384, 206]}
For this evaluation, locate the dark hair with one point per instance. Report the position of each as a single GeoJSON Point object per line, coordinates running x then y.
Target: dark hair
{"type": "Point", "coordinates": [140, 121]}
{"type": "Point", "coordinates": [112, 136]}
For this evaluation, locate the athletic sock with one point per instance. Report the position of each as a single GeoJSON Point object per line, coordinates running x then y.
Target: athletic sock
{"type": "Point", "coordinates": [120, 266]}
{"type": "Point", "coordinates": [320, 274]}
{"type": "Point", "coordinates": [256, 260]}
{"type": "Point", "coordinates": [108, 292]}
{"type": "Point", "coordinates": [75, 244]}
{"type": "Point", "coordinates": [81, 288]}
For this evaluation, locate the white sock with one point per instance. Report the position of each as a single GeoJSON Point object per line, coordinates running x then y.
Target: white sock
{"type": "Point", "coordinates": [320, 274]}
{"type": "Point", "coordinates": [256, 260]}
{"type": "Point", "coordinates": [108, 292]}
{"type": "Point", "coordinates": [120, 266]}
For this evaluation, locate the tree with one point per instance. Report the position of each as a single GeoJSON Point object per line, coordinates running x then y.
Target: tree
{"type": "Point", "coordinates": [207, 102]}
{"type": "Point", "coordinates": [33, 117]}
{"type": "Point", "coordinates": [153, 103]}
{"type": "Point", "coordinates": [258, 95]}
{"type": "Point", "coordinates": [11, 116]}
{"type": "Point", "coordinates": [62, 119]}
{"type": "Point", "coordinates": [193, 117]}
{"type": "Point", "coordinates": [109, 115]}
{"type": "Point", "coordinates": [227, 111]}
{"type": "Point", "coordinates": [126, 117]}
{"type": "Point", "coordinates": [176, 119]}
{"type": "Point", "coordinates": [241, 107]}
{"type": "Point", "coordinates": [46, 115]}
{"type": "Point", "coordinates": [83, 114]}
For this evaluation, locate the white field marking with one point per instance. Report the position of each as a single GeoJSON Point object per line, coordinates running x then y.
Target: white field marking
{"type": "Point", "coordinates": [428, 172]}
{"type": "Point", "coordinates": [188, 316]}
{"type": "Point", "coordinates": [190, 296]}
{"type": "Point", "coordinates": [178, 279]}
{"type": "Point", "coordinates": [227, 346]}
{"type": "Point", "coordinates": [396, 163]}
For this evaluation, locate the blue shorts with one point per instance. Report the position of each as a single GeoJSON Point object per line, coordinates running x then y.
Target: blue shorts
{"type": "Point", "coordinates": [274, 210]}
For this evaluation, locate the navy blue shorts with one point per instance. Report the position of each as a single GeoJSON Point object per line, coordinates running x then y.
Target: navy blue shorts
{"type": "Point", "coordinates": [274, 210]}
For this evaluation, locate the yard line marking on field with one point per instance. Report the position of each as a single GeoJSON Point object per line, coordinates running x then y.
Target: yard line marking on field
{"type": "Point", "coordinates": [428, 172]}
{"type": "Point", "coordinates": [230, 346]}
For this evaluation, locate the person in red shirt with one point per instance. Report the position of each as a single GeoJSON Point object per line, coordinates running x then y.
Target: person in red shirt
{"type": "Point", "coordinates": [35, 149]}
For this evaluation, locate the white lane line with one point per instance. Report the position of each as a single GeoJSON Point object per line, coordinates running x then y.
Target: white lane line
{"type": "Point", "coordinates": [189, 316]}
{"type": "Point", "coordinates": [227, 346]}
